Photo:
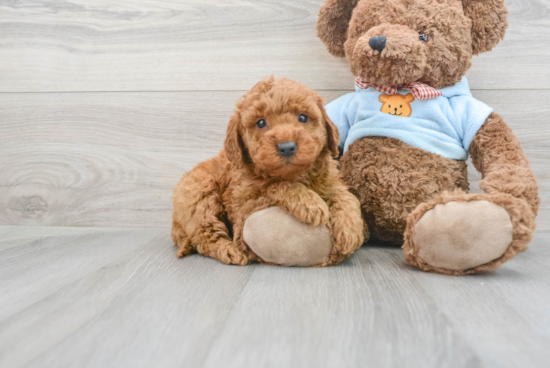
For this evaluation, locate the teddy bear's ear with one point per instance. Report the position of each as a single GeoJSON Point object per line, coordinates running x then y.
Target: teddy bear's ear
{"type": "Point", "coordinates": [332, 25]}
{"type": "Point", "coordinates": [409, 97]}
{"type": "Point", "coordinates": [489, 23]}
{"type": "Point", "coordinates": [383, 98]}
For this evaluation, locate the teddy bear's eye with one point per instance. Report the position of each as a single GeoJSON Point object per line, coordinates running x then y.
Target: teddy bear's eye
{"type": "Point", "coordinates": [423, 37]}
{"type": "Point", "coordinates": [400, 106]}
{"type": "Point", "coordinates": [303, 118]}
{"type": "Point", "coordinates": [261, 123]}
{"type": "Point", "coordinates": [390, 105]}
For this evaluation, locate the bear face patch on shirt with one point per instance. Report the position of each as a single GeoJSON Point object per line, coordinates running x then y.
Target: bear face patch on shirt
{"type": "Point", "coordinates": [397, 105]}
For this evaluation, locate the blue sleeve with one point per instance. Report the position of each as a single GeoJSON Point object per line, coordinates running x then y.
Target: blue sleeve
{"type": "Point", "coordinates": [337, 111]}
{"type": "Point", "coordinates": [469, 115]}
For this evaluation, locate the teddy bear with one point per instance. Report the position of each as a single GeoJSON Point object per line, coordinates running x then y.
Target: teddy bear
{"type": "Point", "coordinates": [412, 122]}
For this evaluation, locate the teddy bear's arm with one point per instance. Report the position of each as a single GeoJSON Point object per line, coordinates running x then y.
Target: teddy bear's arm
{"type": "Point", "coordinates": [497, 154]}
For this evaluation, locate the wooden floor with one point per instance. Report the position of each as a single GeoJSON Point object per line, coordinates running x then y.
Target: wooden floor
{"type": "Point", "coordinates": [104, 105]}
{"type": "Point", "coordinates": [96, 297]}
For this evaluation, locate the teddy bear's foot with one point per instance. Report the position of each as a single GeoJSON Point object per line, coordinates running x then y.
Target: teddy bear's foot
{"type": "Point", "coordinates": [463, 235]}
{"type": "Point", "coordinates": [469, 234]}
{"type": "Point", "coordinates": [279, 238]}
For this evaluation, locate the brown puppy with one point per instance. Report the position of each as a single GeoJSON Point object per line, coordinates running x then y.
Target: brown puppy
{"type": "Point", "coordinates": [278, 152]}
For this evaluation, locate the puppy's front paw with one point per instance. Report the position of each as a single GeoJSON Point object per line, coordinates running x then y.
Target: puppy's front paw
{"type": "Point", "coordinates": [228, 253]}
{"type": "Point", "coordinates": [311, 209]}
{"type": "Point", "coordinates": [347, 237]}
{"type": "Point", "coordinates": [348, 241]}
{"type": "Point", "coordinates": [301, 202]}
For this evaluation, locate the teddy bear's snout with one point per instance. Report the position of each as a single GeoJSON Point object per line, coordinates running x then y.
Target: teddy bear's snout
{"type": "Point", "coordinates": [389, 55]}
{"type": "Point", "coordinates": [378, 43]}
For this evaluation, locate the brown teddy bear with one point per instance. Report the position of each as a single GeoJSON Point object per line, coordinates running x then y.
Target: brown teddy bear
{"type": "Point", "coordinates": [405, 153]}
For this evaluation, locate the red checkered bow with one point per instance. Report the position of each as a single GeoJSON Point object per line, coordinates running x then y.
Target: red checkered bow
{"type": "Point", "coordinates": [419, 90]}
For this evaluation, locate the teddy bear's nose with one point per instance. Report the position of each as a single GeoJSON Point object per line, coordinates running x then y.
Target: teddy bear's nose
{"type": "Point", "coordinates": [378, 43]}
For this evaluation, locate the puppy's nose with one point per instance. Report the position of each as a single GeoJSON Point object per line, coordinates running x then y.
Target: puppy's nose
{"type": "Point", "coordinates": [378, 43]}
{"type": "Point", "coordinates": [286, 149]}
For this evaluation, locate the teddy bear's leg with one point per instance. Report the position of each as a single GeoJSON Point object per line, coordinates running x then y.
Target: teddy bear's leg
{"type": "Point", "coordinates": [391, 178]}
{"type": "Point", "coordinates": [293, 231]}
{"type": "Point", "coordinates": [462, 233]}
{"type": "Point", "coordinates": [459, 233]}
{"type": "Point", "coordinates": [301, 229]}
{"type": "Point", "coordinates": [278, 238]}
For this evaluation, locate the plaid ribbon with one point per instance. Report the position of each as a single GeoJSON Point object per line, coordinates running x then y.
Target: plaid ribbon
{"type": "Point", "coordinates": [419, 90]}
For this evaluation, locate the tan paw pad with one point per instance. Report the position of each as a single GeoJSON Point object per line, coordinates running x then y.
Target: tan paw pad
{"type": "Point", "coordinates": [463, 235]}
{"type": "Point", "coordinates": [282, 239]}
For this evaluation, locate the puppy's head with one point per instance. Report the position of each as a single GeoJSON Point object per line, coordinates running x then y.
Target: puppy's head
{"type": "Point", "coordinates": [280, 129]}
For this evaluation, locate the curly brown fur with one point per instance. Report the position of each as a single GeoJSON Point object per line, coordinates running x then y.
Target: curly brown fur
{"type": "Point", "coordinates": [249, 175]}
{"type": "Point", "coordinates": [523, 222]}
{"type": "Point", "coordinates": [476, 25]}
{"type": "Point", "coordinates": [392, 178]}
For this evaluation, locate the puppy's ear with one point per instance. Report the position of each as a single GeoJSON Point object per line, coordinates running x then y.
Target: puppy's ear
{"type": "Point", "coordinates": [333, 136]}
{"type": "Point", "coordinates": [489, 23]}
{"type": "Point", "coordinates": [234, 145]}
{"type": "Point", "coordinates": [333, 22]}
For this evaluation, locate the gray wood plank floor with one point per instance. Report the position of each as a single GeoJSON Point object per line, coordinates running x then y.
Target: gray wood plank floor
{"type": "Point", "coordinates": [95, 297]}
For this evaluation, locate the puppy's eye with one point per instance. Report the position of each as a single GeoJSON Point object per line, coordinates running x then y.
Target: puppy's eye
{"type": "Point", "coordinates": [423, 37]}
{"type": "Point", "coordinates": [303, 118]}
{"type": "Point", "coordinates": [261, 123]}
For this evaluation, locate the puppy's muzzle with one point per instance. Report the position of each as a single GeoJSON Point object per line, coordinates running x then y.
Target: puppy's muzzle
{"type": "Point", "coordinates": [286, 149]}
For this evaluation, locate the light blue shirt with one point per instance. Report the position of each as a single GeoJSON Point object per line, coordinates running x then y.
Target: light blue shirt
{"type": "Point", "coordinates": [443, 125]}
